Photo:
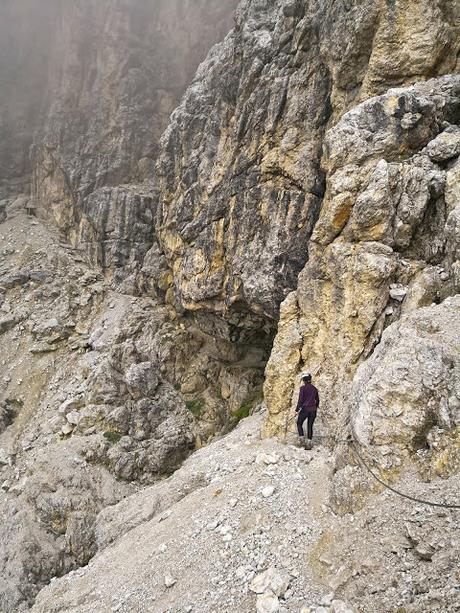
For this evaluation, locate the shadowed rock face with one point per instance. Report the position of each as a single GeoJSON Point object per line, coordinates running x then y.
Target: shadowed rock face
{"type": "Point", "coordinates": [239, 177]}
{"type": "Point", "coordinates": [117, 71]}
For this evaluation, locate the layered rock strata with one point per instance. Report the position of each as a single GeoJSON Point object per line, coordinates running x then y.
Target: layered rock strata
{"type": "Point", "coordinates": [239, 177]}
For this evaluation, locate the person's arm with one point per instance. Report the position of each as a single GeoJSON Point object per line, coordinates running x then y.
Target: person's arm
{"type": "Point", "coordinates": [301, 399]}
{"type": "Point", "coordinates": [317, 399]}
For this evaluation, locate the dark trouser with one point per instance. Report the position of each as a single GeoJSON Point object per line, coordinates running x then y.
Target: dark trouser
{"type": "Point", "coordinates": [303, 415]}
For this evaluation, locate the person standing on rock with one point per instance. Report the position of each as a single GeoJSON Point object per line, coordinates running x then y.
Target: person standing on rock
{"type": "Point", "coordinates": [307, 406]}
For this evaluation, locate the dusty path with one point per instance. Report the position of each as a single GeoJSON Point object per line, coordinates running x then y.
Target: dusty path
{"type": "Point", "coordinates": [245, 515]}
{"type": "Point", "coordinates": [247, 505]}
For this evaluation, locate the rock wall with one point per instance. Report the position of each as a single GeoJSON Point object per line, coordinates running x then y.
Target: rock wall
{"type": "Point", "coordinates": [289, 152]}
{"type": "Point", "coordinates": [239, 184]}
{"type": "Point", "coordinates": [239, 175]}
{"type": "Point", "coordinates": [405, 397]}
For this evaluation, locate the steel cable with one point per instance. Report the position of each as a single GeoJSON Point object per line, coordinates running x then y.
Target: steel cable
{"type": "Point", "coordinates": [362, 462]}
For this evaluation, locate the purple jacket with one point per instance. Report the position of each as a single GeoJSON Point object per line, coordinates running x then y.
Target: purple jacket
{"type": "Point", "coordinates": [308, 398]}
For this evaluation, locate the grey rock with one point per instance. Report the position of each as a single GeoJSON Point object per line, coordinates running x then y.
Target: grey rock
{"type": "Point", "coordinates": [424, 551]}
{"type": "Point", "coordinates": [445, 146]}
{"type": "Point", "coordinates": [3, 213]}
{"type": "Point", "coordinates": [15, 279]}
{"type": "Point", "coordinates": [376, 229]}
{"type": "Point", "coordinates": [398, 293]}
{"type": "Point", "coordinates": [338, 606]}
{"type": "Point", "coordinates": [7, 323]}
{"type": "Point", "coordinates": [73, 417]}
{"type": "Point", "coordinates": [67, 429]}
{"type": "Point", "coordinates": [71, 404]}
{"type": "Point", "coordinates": [5, 458]}
{"type": "Point", "coordinates": [142, 380]}
{"type": "Point", "coordinates": [267, 603]}
{"type": "Point", "coordinates": [287, 151]}
{"type": "Point", "coordinates": [77, 161]}
{"type": "Point", "coordinates": [271, 580]}
{"type": "Point", "coordinates": [43, 348]}
{"type": "Point", "coordinates": [341, 577]}
{"type": "Point", "coordinates": [169, 580]}
{"type": "Point", "coordinates": [390, 405]}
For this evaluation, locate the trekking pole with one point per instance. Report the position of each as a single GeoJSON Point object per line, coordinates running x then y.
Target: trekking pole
{"type": "Point", "coordinates": [289, 418]}
{"type": "Point", "coordinates": [286, 422]}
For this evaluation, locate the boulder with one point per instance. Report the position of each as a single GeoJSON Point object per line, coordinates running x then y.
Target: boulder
{"type": "Point", "coordinates": [271, 580]}
{"type": "Point", "coordinates": [142, 380]}
{"type": "Point", "coordinates": [267, 603]}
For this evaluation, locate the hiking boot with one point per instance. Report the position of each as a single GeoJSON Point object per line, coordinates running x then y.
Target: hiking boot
{"type": "Point", "coordinates": [308, 443]}
{"type": "Point", "coordinates": [301, 441]}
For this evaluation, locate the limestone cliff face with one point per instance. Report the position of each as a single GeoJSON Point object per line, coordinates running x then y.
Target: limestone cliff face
{"type": "Point", "coordinates": [337, 314]}
{"type": "Point", "coordinates": [239, 178]}
{"type": "Point", "coordinates": [299, 152]}
{"type": "Point", "coordinates": [406, 394]}
{"type": "Point", "coordinates": [240, 182]}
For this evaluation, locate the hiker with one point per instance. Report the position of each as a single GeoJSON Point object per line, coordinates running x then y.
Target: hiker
{"type": "Point", "coordinates": [307, 406]}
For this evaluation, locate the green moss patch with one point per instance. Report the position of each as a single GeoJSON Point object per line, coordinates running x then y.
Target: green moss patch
{"type": "Point", "coordinates": [112, 437]}
{"type": "Point", "coordinates": [196, 406]}
{"type": "Point", "coordinates": [252, 400]}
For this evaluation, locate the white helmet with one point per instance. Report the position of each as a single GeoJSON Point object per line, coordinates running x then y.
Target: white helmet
{"type": "Point", "coordinates": [305, 374]}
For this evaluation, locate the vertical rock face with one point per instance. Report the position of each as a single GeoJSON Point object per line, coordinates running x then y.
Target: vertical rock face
{"type": "Point", "coordinates": [239, 177]}
{"type": "Point", "coordinates": [405, 398]}
{"type": "Point", "coordinates": [117, 71]}
{"type": "Point", "coordinates": [231, 213]}
{"type": "Point", "coordinates": [239, 174]}
{"type": "Point", "coordinates": [296, 153]}
{"type": "Point", "coordinates": [239, 182]}
{"type": "Point", "coordinates": [380, 202]}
